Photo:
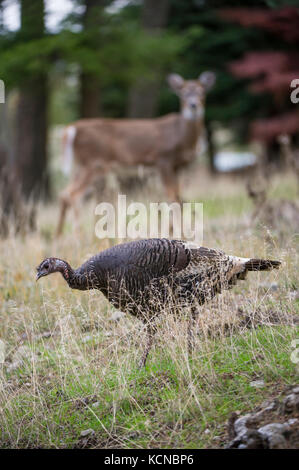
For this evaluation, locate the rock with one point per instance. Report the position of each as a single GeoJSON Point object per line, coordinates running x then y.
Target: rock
{"type": "Point", "coordinates": [116, 316]}
{"type": "Point", "coordinates": [250, 439]}
{"type": "Point", "coordinates": [87, 432]}
{"type": "Point", "coordinates": [274, 434]}
{"type": "Point", "coordinates": [266, 407]}
{"type": "Point", "coordinates": [254, 441]}
{"type": "Point", "coordinates": [257, 383]}
{"type": "Point", "coordinates": [291, 402]}
{"type": "Point", "coordinates": [270, 406]}
{"type": "Point", "coordinates": [266, 429]}
{"type": "Point", "coordinates": [241, 425]}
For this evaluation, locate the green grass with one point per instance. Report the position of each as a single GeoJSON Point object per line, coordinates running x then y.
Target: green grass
{"type": "Point", "coordinates": [217, 206]}
{"type": "Point", "coordinates": [170, 402]}
{"type": "Point", "coordinates": [75, 369]}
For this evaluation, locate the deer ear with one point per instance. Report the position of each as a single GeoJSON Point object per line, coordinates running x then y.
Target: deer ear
{"type": "Point", "coordinates": [207, 79]}
{"type": "Point", "coordinates": [175, 81]}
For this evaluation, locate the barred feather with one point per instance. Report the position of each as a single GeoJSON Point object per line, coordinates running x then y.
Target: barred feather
{"type": "Point", "coordinates": [142, 277]}
{"type": "Point", "coordinates": [261, 264]}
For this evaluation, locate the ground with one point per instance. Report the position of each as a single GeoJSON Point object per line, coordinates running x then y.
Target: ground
{"type": "Point", "coordinates": [70, 377]}
{"type": "Point", "coordinates": [273, 425]}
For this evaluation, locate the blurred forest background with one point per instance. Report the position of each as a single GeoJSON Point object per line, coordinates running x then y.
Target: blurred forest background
{"type": "Point", "coordinates": [111, 57]}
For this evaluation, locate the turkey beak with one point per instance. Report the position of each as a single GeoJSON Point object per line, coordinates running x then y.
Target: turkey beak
{"type": "Point", "coordinates": [39, 275]}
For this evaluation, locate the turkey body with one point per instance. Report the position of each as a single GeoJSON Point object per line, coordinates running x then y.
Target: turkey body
{"type": "Point", "coordinates": [146, 277]}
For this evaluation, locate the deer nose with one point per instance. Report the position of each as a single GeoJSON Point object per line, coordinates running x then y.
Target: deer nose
{"type": "Point", "coordinates": [193, 105]}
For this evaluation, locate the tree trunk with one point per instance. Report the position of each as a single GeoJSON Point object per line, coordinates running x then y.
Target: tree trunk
{"type": "Point", "coordinates": [31, 155]}
{"type": "Point", "coordinates": [30, 160]}
{"type": "Point", "coordinates": [89, 95]}
{"type": "Point", "coordinates": [211, 148]}
{"type": "Point", "coordinates": [143, 96]}
{"type": "Point", "coordinates": [89, 82]}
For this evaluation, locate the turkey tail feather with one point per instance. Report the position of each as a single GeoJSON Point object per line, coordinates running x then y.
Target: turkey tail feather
{"type": "Point", "coordinates": [261, 264]}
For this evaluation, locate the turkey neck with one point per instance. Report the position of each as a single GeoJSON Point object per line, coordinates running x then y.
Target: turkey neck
{"type": "Point", "coordinates": [74, 278]}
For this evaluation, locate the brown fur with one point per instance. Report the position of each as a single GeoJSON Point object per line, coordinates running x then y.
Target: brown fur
{"type": "Point", "coordinates": [168, 143]}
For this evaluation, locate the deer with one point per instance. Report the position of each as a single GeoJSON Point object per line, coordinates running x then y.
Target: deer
{"type": "Point", "coordinates": [169, 143]}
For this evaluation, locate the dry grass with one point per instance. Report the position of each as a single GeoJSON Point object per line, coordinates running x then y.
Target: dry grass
{"type": "Point", "coordinates": [69, 367]}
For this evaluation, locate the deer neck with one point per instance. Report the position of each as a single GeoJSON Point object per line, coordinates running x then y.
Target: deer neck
{"type": "Point", "coordinates": [190, 130]}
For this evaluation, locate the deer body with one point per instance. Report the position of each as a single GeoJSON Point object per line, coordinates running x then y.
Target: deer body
{"type": "Point", "coordinates": [131, 141]}
{"type": "Point", "coordinates": [168, 142]}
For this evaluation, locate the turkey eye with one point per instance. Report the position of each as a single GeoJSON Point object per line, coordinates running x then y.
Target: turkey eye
{"type": "Point", "coordinates": [46, 266]}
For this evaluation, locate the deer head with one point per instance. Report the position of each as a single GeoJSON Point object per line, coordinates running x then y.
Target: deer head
{"type": "Point", "coordinates": [192, 93]}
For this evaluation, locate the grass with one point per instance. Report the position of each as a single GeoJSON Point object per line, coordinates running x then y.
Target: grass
{"type": "Point", "coordinates": [69, 367]}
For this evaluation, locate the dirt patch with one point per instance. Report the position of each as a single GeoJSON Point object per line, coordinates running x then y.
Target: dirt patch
{"type": "Point", "coordinates": [274, 425]}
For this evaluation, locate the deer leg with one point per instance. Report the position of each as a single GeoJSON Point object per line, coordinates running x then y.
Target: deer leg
{"type": "Point", "coordinates": [74, 191]}
{"type": "Point", "coordinates": [150, 330]}
{"type": "Point", "coordinates": [170, 180]}
{"type": "Point", "coordinates": [191, 327]}
{"type": "Point", "coordinates": [176, 187]}
{"type": "Point", "coordinates": [64, 204]}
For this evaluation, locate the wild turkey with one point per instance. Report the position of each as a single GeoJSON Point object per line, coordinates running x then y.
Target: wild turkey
{"type": "Point", "coordinates": [145, 277]}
